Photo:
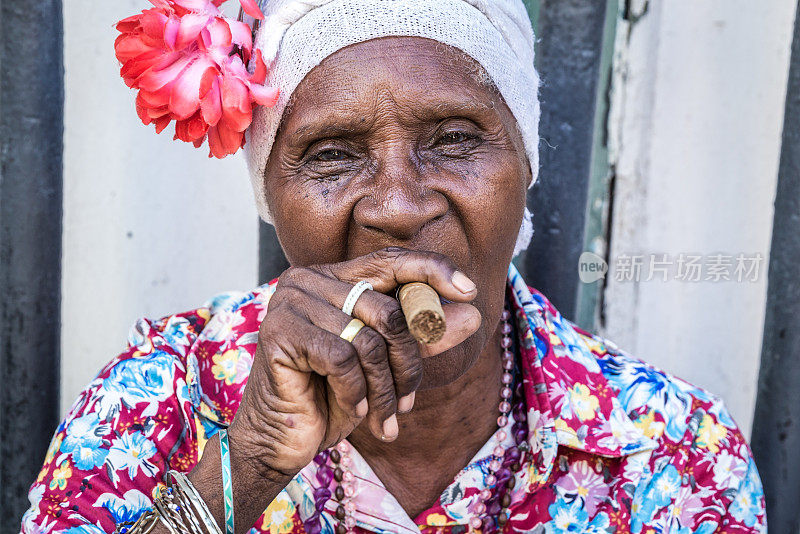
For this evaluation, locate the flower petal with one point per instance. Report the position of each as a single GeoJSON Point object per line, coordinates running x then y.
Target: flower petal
{"type": "Point", "coordinates": [217, 35]}
{"type": "Point", "coordinates": [184, 99]}
{"type": "Point", "coordinates": [161, 123]}
{"type": "Point", "coordinates": [211, 104]}
{"type": "Point", "coordinates": [236, 105]}
{"type": "Point", "coordinates": [264, 95]}
{"type": "Point", "coordinates": [260, 72]}
{"type": "Point", "coordinates": [191, 129]}
{"type": "Point", "coordinates": [251, 8]}
{"type": "Point", "coordinates": [190, 27]}
{"type": "Point", "coordinates": [222, 141]}
{"type": "Point", "coordinates": [171, 30]}
{"type": "Point", "coordinates": [241, 34]}
{"type": "Point", "coordinates": [155, 79]}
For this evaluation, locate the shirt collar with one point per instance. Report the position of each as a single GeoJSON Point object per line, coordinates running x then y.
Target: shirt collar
{"type": "Point", "coordinates": [571, 401]}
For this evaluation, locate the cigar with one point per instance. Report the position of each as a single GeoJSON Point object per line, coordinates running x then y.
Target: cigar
{"type": "Point", "coordinates": [423, 311]}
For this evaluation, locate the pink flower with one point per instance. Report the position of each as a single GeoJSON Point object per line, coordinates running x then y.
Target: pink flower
{"type": "Point", "coordinates": [189, 64]}
{"type": "Point", "coordinates": [688, 506]}
{"type": "Point", "coordinates": [583, 482]}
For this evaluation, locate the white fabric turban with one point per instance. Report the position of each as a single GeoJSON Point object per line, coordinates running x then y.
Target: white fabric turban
{"type": "Point", "coordinates": [298, 34]}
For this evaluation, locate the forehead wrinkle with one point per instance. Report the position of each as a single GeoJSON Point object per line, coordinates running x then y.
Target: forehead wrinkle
{"type": "Point", "coordinates": [353, 107]}
{"type": "Point", "coordinates": [361, 120]}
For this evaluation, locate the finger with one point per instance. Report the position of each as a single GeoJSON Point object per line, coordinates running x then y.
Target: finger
{"type": "Point", "coordinates": [314, 349]}
{"type": "Point", "coordinates": [373, 356]}
{"type": "Point", "coordinates": [462, 321]}
{"type": "Point", "coordinates": [390, 267]}
{"type": "Point", "coordinates": [383, 314]}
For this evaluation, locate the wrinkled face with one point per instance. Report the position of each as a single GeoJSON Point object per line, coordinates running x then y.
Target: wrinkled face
{"type": "Point", "coordinates": [396, 142]}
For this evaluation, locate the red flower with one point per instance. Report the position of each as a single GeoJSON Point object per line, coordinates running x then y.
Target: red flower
{"type": "Point", "coordinates": [189, 64]}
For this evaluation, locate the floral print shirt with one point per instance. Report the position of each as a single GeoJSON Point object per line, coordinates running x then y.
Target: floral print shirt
{"type": "Point", "coordinates": [616, 445]}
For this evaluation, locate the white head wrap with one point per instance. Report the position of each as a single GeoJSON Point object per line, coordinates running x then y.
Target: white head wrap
{"type": "Point", "coordinates": [297, 35]}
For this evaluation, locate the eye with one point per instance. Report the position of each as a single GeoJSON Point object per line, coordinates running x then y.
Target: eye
{"type": "Point", "coordinates": [455, 137]}
{"type": "Point", "coordinates": [331, 154]}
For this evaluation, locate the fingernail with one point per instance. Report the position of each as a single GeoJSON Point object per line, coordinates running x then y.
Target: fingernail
{"type": "Point", "coordinates": [462, 283]}
{"type": "Point", "coordinates": [362, 408]}
{"type": "Point", "coordinates": [405, 404]}
{"type": "Point", "coordinates": [390, 429]}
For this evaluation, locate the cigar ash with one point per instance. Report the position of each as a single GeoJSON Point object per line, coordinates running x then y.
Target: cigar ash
{"type": "Point", "coordinates": [428, 326]}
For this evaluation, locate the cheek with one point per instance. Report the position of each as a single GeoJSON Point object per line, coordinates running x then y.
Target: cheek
{"type": "Point", "coordinates": [311, 225]}
{"type": "Point", "coordinates": [492, 203]}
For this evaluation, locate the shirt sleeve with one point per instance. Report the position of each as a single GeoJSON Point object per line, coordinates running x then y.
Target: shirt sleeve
{"type": "Point", "coordinates": [132, 423]}
{"type": "Point", "coordinates": [723, 488]}
{"type": "Point", "coordinates": [746, 514]}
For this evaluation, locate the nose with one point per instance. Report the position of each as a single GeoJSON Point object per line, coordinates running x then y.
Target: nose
{"type": "Point", "coordinates": [400, 200]}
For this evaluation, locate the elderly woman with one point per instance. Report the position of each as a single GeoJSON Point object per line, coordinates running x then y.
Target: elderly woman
{"type": "Point", "coordinates": [400, 150]}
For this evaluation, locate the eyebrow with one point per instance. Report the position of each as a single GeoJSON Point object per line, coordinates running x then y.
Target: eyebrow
{"type": "Point", "coordinates": [341, 124]}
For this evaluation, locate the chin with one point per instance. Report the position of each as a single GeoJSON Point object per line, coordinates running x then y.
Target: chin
{"type": "Point", "coordinates": [451, 365]}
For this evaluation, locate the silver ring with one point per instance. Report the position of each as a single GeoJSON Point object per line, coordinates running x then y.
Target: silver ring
{"type": "Point", "coordinates": [352, 297]}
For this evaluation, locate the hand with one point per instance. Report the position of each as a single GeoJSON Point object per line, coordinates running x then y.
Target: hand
{"type": "Point", "coordinates": [309, 388]}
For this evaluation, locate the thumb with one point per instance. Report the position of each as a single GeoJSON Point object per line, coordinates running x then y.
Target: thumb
{"type": "Point", "coordinates": [462, 320]}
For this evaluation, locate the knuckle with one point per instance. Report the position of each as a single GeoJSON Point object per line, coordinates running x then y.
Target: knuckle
{"type": "Point", "coordinates": [393, 320]}
{"type": "Point", "coordinates": [269, 326]}
{"type": "Point", "coordinates": [342, 356]}
{"type": "Point", "coordinates": [286, 299]}
{"type": "Point", "coordinates": [409, 378]}
{"type": "Point", "coordinates": [388, 253]}
{"type": "Point", "coordinates": [292, 276]}
{"type": "Point", "coordinates": [383, 401]}
{"type": "Point", "coordinates": [373, 347]}
{"type": "Point", "coordinates": [334, 347]}
{"type": "Point", "coordinates": [439, 258]}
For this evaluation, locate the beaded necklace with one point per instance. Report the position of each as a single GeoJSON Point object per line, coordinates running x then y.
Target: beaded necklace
{"type": "Point", "coordinates": [491, 512]}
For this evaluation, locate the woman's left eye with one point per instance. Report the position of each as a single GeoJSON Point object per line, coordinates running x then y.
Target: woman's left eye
{"type": "Point", "coordinates": [455, 137]}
